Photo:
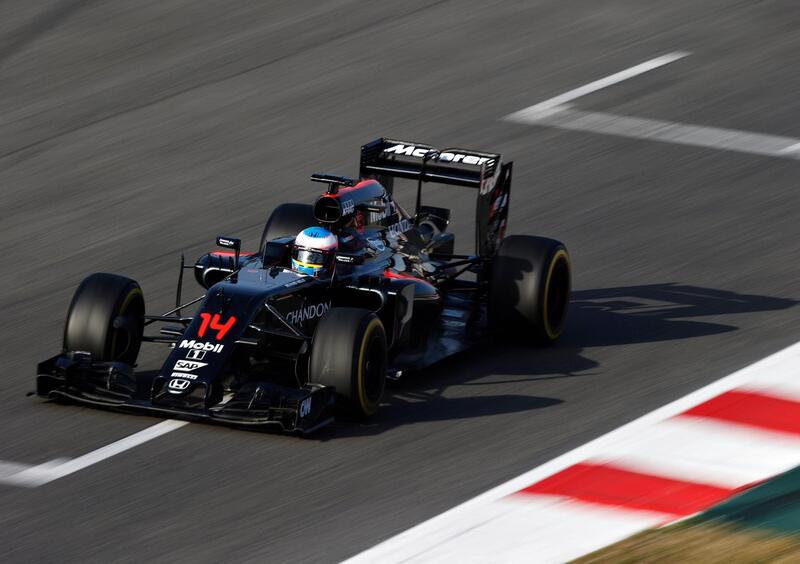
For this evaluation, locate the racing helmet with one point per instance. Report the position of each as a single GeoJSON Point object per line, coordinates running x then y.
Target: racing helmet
{"type": "Point", "coordinates": [314, 251]}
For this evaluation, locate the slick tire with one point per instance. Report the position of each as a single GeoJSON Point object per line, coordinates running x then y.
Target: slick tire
{"type": "Point", "coordinates": [106, 318]}
{"type": "Point", "coordinates": [287, 220]}
{"type": "Point", "coordinates": [348, 352]}
{"type": "Point", "coordinates": [529, 289]}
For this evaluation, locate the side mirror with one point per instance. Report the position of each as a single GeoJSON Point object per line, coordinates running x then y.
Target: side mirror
{"type": "Point", "coordinates": [277, 252]}
{"type": "Point", "coordinates": [231, 243]}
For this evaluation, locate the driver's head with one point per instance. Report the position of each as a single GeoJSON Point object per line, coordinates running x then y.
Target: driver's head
{"type": "Point", "coordinates": [314, 251]}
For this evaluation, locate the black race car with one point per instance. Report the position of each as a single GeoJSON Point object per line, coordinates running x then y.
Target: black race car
{"type": "Point", "coordinates": [271, 347]}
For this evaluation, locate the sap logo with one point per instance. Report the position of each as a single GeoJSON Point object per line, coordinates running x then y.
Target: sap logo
{"type": "Point", "coordinates": [176, 385]}
{"type": "Point", "coordinates": [195, 355]}
{"type": "Point", "coordinates": [182, 375]}
{"type": "Point", "coordinates": [305, 407]}
{"type": "Point", "coordinates": [309, 312]}
{"type": "Point", "coordinates": [400, 227]}
{"type": "Point", "coordinates": [348, 207]}
{"type": "Point", "coordinates": [198, 346]}
{"type": "Point", "coordinates": [446, 157]}
{"type": "Point", "coordinates": [188, 366]}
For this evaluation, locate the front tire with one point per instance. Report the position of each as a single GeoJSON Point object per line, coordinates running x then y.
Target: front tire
{"type": "Point", "coordinates": [348, 352]}
{"type": "Point", "coordinates": [106, 318]}
{"type": "Point", "coordinates": [529, 288]}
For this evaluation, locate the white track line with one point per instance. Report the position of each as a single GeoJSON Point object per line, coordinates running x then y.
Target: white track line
{"type": "Point", "coordinates": [10, 469]}
{"type": "Point", "coordinates": [426, 537]}
{"type": "Point", "coordinates": [556, 112]}
{"type": "Point", "coordinates": [563, 117]}
{"type": "Point", "coordinates": [604, 82]}
{"type": "Point", "coordinates": [33, 476]}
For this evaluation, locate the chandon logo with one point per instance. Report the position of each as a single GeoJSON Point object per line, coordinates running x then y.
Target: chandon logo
{"type": "Point", "coordinates": [309, 312]}
{"type": "Point", "coordinates": [412, 151]}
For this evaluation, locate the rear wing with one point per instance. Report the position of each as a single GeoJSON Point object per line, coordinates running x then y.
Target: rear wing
{"type": "Point", "coordinates": [418, 161]}
{"type": "Point", "coordinates": [386, 159]}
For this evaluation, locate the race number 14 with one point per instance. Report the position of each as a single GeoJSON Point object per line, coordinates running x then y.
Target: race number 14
{"type": "Point", "coordinates": [215, 324]}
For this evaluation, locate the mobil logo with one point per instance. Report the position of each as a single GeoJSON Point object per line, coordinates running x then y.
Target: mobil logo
{"type": "Point", "coordinates": [200, 346]}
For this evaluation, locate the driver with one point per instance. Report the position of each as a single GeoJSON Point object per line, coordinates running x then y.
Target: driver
{"type": "Point", "coordinates": [314, 252]}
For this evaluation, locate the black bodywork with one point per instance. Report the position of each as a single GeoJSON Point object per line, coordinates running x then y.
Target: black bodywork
{"type": "Point", "coordinates": [242, 357]}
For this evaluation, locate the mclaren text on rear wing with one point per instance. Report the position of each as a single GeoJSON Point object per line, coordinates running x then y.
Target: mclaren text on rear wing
{"type": "Point", "coordinates": [418, 161]}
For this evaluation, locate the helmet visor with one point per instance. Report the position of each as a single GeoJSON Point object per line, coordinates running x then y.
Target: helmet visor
{"type": "Point", "coordinates": [309, 257]}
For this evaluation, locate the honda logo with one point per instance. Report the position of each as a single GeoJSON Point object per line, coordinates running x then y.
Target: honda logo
{"type": "Point", "coordinates": [178, 385]}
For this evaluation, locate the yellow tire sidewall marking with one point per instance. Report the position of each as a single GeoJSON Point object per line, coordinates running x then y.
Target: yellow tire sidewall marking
{"type": "Point", "coordinates": [366, 405]}
{"type": "Point", "coordinates": [561, 253]}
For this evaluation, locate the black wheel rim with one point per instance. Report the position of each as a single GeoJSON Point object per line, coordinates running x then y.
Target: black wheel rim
{"type": "Point", "coordinates": [127, 338]}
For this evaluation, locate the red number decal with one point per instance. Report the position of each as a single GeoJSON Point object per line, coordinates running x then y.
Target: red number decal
{"type": "Point", "coordinates": [215, 325]}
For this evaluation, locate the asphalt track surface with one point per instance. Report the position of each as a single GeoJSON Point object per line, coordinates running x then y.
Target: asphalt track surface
{"type": "Point", "coordinates": [132, 131]}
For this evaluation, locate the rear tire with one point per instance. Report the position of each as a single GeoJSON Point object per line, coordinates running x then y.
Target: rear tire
{"type": "Point", "coordinates": [287, 220]}
{"type": "Point", "coordinates": [529, 288]}
{"type": "Point", "coordinates": [106, 318]}
{"type": "Point", "coordinates": [348, 352]}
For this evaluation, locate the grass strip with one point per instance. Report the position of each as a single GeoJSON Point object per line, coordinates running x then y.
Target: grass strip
{"type": "Point", "coordinates": [700, 543]}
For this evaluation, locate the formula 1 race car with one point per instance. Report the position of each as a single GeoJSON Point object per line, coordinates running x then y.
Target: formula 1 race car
{"type": "Point", "coordinates": [271, 346]}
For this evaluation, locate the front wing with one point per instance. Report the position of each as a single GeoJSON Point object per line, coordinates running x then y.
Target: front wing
{"type": "Point", "coordinates": [75, 377]}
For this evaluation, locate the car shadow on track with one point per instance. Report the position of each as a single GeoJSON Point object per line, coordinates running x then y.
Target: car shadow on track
{"type": "Point", "coordinates": [597, 318]}
{"type": "Point", "coordinates": [657, 312]}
